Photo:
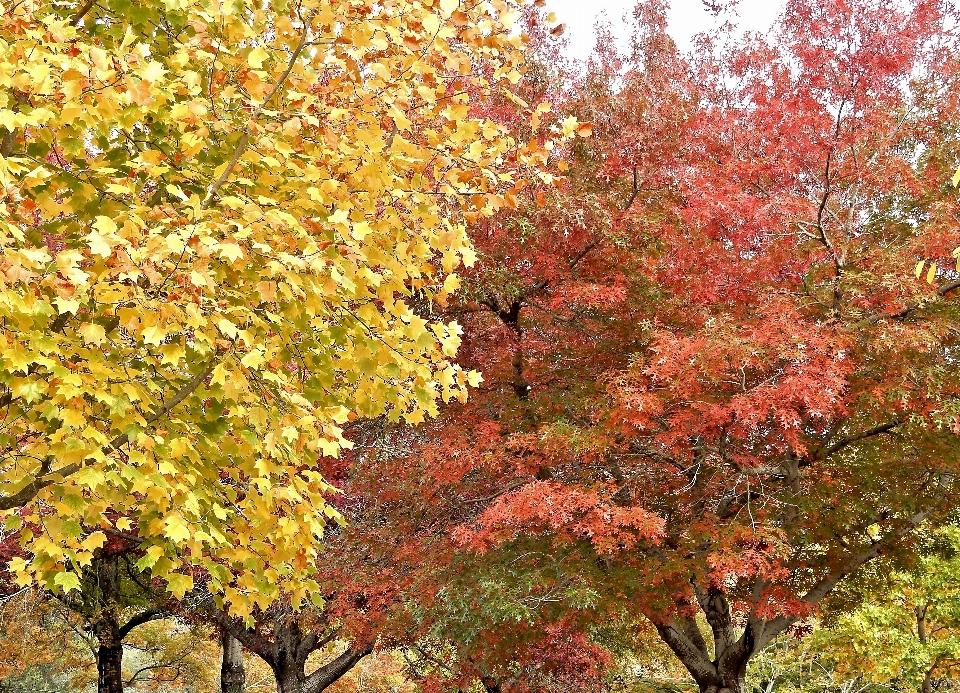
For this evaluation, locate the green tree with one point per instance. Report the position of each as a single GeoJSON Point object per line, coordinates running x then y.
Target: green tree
{"type": "Point", "coordinates": [907, 633]}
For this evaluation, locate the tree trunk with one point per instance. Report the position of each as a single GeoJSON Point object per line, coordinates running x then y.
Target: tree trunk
{"type": "Point", "coordinates": [732, 684]}
{"type": "Point", "coordinates": [722, 668]}
{"type": "Point", "coordinates": [289, 675]}
{"type": "Point", "coordinates": [107, 628]}
{"type": "Point", "coordinates": [110, 667]}
{"type": "Point", "coordinates": [288, 651]}
{"type": "Point", "coordinates": [232, 675]}
{"type": "Point", "coordinates": [290, 671]}
{"type": "Point", "coordinates": [289, 657]}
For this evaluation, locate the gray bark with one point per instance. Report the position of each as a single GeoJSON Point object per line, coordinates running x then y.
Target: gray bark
{"type": "Point", "coordinates": [232, 675]}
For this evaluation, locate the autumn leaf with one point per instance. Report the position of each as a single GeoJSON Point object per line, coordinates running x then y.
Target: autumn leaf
{"type": "Point", "coordinates": [202, 276]}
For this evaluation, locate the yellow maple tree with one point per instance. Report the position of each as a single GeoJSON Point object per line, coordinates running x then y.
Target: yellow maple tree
{"type": "Point", "coordinates": [216, 219]}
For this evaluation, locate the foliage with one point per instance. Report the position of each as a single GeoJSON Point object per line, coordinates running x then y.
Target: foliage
{"type": "Point", "coordinates": [46, 647]}
{"type": "Point", "coordinates": [215, 218]}
{"type": "Point", "coordinates": [732, 393]}
{"type": "Point", "coordinates": [37, 651]}
{"type": "Point", "coordinates": [907, 632]}
{"type": "Point", "coordinates": [719, 390]}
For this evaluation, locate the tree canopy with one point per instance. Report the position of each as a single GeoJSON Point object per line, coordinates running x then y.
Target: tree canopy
{"type": "Point", "coordinates": [256, 256]}
{"type": "Point", "coordinates": [218, 223]}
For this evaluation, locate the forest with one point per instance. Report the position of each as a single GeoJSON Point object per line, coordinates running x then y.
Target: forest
{"type": "Point", "coordinates": [381, 346]}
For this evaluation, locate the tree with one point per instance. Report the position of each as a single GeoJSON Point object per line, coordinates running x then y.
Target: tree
{"type": "Point", "coordinates": [215, 217]}
{"type": "Point", "coordinates": [285, 640]}
{"type": "Point", "coordinates": [907, 630]}
{"type": "Point", "coordinates": [765, 401]}
{"type": "Point", "coordinates": [112, 602]}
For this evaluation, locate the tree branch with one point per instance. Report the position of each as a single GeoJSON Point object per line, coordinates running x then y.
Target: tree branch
{"type": "Point", "coordinates": [326, 675]}
{"type": "Point", "coordinates": [140, 619]}
{"type": "Point", "coordinates": [253, 641]}
{"type": "Point", "coordinates": [825, 586]}
{"type": "Point", "coordinates": [48, 476]}
{"type": "Point", "coordinates": [694, 659]}
{"type": "Point", "coordinates": [87, 6]}
{"type": "Point", "coordinates": [850, 440]}
{"type": "Point", "coordinates": [215, 186]}
{"type": "Point", "coordinates": [942, 291]}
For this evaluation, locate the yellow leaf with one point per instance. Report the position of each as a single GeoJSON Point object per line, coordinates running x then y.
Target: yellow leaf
{"type": "Point", "coordinates": [431, 24]}
{"type": "Point", "coordinates": [105, 225]}
{"type": "Point", "coordinates": [254, 359]}
{"type": "Point", "coordinates": [231, 252]}
{"type": "Point", "coordinates": [154, 334]}
{"type": "Point", "coordinates": [94, 541]}
{"type": "Point", "coordinates": [178, 585]}
{"type": "Point", "coordinates": [67, 581]}
{"type": "Point", "coordinates": [176, 192]}
{"type": "Point", "coordinates": [227, 328]}
{"type": "Point", "coordinates": [956, 177]}
{"type": "Point", "coordinates": [219, 376]}
{"type": "Point", "coordinates": [257, 57]}
{"type": "Point", "coordinates": [176, 530]}
{"type": "Point", "coordinates": [99, 58]}
{"type": "Point", "coordinates": [919, 269]}
{"type": "Point", "coordinates": [153, 72]}
{"type": "Point", "coordinates": [92, 334]}
{"type": "Point", "coordinates": [66, 305]}
{"type": "Point", "coordinates": [99, 245]}
{"type": "Point", "coordinates": [451, 283]}
{"type": "Point", "coordinates": [361, 230]}
{"type": "Point", "coordinates": [150, 557]}
{"type": "Point", "coordinates": [338, 217]}
{"type": "Point", "coordinates": [931, 273]}
{"type": "Point", "coordinates": [89, 477]}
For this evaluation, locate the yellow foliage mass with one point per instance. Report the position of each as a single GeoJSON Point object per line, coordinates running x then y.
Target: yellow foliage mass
{"type": "Point", "coordinates": [214, 218]}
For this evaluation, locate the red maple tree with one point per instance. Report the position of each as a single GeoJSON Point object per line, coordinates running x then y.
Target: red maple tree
{"type": "Point", "coordinates": [713, 383]}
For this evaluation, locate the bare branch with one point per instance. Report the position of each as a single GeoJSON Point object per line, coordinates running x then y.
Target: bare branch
{"type": "Point", "coordinates": [87, 6]}
{"type": "Point", "coordinates": [850, 440]}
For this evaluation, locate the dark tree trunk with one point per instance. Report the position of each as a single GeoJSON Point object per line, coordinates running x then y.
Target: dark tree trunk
{"type": "Point", "coordinates": [289, 669]}
{"type": "Point", "coordinates": [724, 670]}
{"type": "Point", "coordinates": [289, 656]}
{"type": "Point", "coordinates": [107, 628]}
{"type": "Point", "coordinates": [287, 653]}
{"type": "Point", "coordinates": [289, 675]}
{"type": "Point", "coordinates": [232, 675]}
{"type": "Point", "coordinates": [110, 667]}
{"type": "Point", "coordinates": [331, 672]}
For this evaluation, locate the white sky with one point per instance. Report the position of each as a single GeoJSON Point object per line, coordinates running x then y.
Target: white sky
{"type": "Point", "coordinates": [687, 17]}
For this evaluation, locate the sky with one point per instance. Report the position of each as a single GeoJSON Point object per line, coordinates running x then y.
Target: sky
{"type": "Point", "coordinates": [687, 17]}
